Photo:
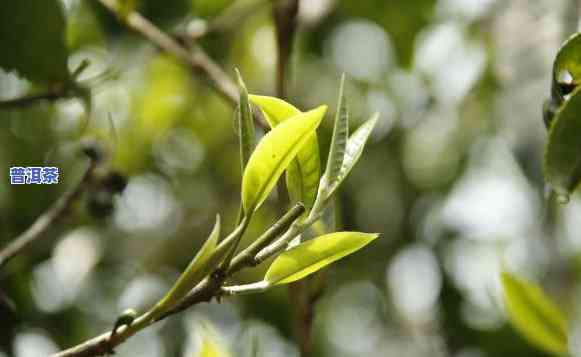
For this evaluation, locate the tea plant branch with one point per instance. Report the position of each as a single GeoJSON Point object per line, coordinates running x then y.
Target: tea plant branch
{"type": "Point", "coordinates": [247, 256]}
{"type": "Point", "coordinates": [255, 189]}
{"type": "Point", "coordinates": [210, 287]}
{"type": "Point", "coordinates": [196, 58]}
{"type": "Point", "coordinates": [253, 288]}
{"type": "Point", "coordinates": [46, 220]}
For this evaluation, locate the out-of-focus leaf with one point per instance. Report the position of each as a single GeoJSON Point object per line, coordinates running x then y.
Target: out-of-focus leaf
{"type": "Point", "coordinates": [32, 40]}
{"type": "Point", "coordinates": [210, 345]}
{"type": "Point", "coordinates": [83, 28]}
{"type": "Point", "coordinates": [246, 133]}
{"type": "Point", "coordinates": [205, 261]}
{"type": "Point", "coordinates": [274, 153]}
{"type": "Point", "coordinates": [353, 150]}
{"type": "Point", "coordinates": [209, 8]}
{"type": "Point", "coordinates": [563, 149]}
{"type": "Point", "coordinates": [303, 173]}
{"type": "Point", "coordinates": [165, 100]}
{"type": "Point", "coordinates": [339, 139]}
{"type": "Point", "coordinates": [310, 256]}
{"type": "Point", "coordinates": [125, 7]}
{"type": "Point", "coordinates": [535, 315]}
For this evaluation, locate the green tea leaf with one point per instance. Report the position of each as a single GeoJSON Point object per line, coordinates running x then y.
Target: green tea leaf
{"type": "Point", "coordinates": [302, 175]}
{"type": "Point", "coordinates": [205, 261]}
{"type": "Point", "coordinates": [353, 151]}
{"type": "Point", "coordinates": [211, 348]}
{"type": "Point", "coordinates": [32, 40]}
{"type": "Point", "coordinates": [275, 110]}
{"type": "Point", "coordinates": [246, 133]}
{"type": "Point", "coordinates": [310, 256]}
{"type": "Point", "coordinates": [339, 139]}
{"type": "Point", "coordinates": [563, 149]}
{"type": "Point", "coordinates": [535, 315]}
{"type": "Point", "coordinates": [274, 153]}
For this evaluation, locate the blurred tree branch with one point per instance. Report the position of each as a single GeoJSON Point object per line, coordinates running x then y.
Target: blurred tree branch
{"type": "Point", "coordinates": [196, 57]}
{"type": "Point", "coordinates": [51, 96]}
{"type": "Point", "coordinates": [285, 14]}
{"type": "Point", "coordinates": [57, 91]}
{"type": "Point", "coordinates": [46, 220]}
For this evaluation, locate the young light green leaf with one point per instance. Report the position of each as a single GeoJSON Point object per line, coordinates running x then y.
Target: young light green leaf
{"type": "Point", "coordinates": [275, 110]}
{"type": "Point", "coordinates": [535, 315]}
{"type": "Point", "coordinates": [206, 260]}
{"type": "Point", "coordinates": [245, 123]}
{"type": "Point", "coordinates": [563, 149]}
{"type": "Point", "coordinates": [339, 139]}
{"type": "Point", "coordinates": [32, 39]}
{"type": "Point", "coordinates": [354, 149]}
{"type": "Point", "coordinates": [274, 153]}
{"type": "Point", "coordinates": [310, 256]}
{"type": "Point", "coordinates": [302, 175]}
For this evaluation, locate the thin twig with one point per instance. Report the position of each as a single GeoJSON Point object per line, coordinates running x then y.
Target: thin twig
{"type": "Point", "coordinates": [252, 288]}
{"type": "Point", "coordinates": [246, 257]}
{"type": "Point", "coordinates": [56, 92]}
{"type": "Point", "coordinates": [26, 101]}
{"type": "Point", "coordinates": [45, 221]}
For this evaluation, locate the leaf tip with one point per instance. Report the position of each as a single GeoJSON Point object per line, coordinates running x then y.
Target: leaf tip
{"type": "Point", "coordinates": [322, 108]}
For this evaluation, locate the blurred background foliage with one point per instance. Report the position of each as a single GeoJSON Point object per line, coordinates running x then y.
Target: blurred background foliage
{"type": "Point", "coordinates": [452, 178]}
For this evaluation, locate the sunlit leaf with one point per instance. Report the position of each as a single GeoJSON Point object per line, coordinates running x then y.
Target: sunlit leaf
{"type": "Point", "coordinates": [303, 173]}
{"type": "Point", "coordinates": [32, 40]}
{"type": "Point", "coordinates": [563, 149]}
{"type": "Point", "coordinates": [158, 108]}
{"type": "Point", "coordinates": [245, 123]}
{"type": "Point", "coordinates": [274, 153]}
{"type": "Point", "coordinates": [535, 315]}
{"type": "Point", "coordinates": [205, 261]}
{"type": "Point", "coordinates": [354, 149]}
{"type": "Point", "coordinates": [310, 256]}
{"type": "Point", "coordinates": [339, 139]}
